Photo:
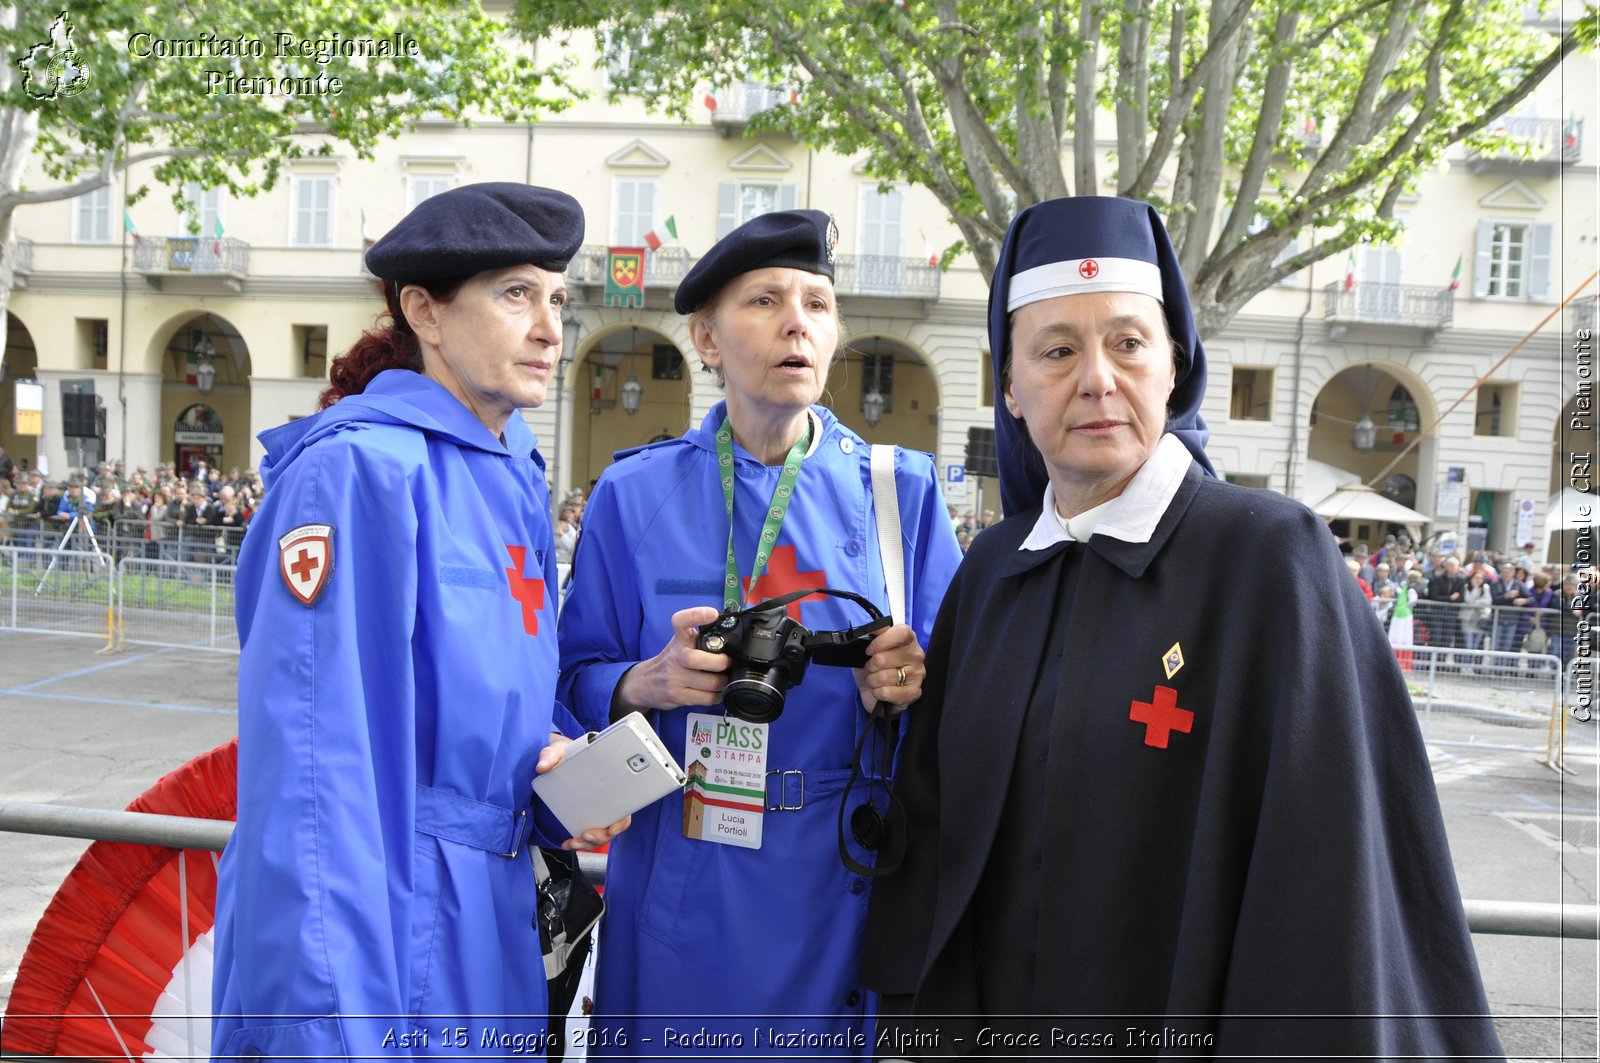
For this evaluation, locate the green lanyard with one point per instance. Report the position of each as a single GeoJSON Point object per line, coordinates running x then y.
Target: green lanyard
{"type": "Point", "coordinates": [781, 497]}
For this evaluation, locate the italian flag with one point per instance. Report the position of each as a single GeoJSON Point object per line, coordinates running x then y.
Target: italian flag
{"type": "Point", "coordinates": [1350, 272]}
{"type": "Point", "coordinates": [1570, 139]}
{"type": "Point", "coordinates": [655, 238]}
{"type": "Point", "coordinates": [216, 246]}
{"type": "Point", "coordinates": [1455, 275]}
{"type": "Point", "coordinates": [127, 225]}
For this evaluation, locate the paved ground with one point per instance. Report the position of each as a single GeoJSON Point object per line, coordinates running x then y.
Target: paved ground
{"type": "Point", "coordinates": [85, 729]}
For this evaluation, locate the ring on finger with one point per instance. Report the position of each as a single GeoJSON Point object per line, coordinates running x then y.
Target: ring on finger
{"type": "Point", "coordinates": [900, 676]}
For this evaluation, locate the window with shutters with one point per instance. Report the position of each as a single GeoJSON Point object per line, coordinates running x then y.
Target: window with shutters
{"type": "Point", "coordinates": [202, 209]}
{"type": "Point", "coordinates": [665, 362]}
{"type": "Point", "coordinates": [1497, 410]}
{"type": "Point", "coordinates": [93, 341]}
{"type": "Point", "coordinates": [1513, 260]}
{"type": "Point", "coordinates": [633, 212]}
{"type": "Point", "coordinates": [424, 186]}
{"type": "Point", "coordinates": [91, 222]}
{"type": "Point", "coordinates": [1252, 395]}
{"type": "Point", "coordinates": [1292, 248]}
{"type": "Point", "coordinates": [880, 238]}
{"type": "Point", "coordinates": [739, 201]}
{"type": "Point", "coordinates": [312, 218]}
{"type": "Point", "coordinates": [1508, 261]}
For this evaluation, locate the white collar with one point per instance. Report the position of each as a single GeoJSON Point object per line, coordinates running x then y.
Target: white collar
{"type": "Point", "coordinates": [1132, 516]}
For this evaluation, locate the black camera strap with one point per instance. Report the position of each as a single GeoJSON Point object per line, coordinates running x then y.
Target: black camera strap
{"type": "Point", "coordinates": [877, 830]}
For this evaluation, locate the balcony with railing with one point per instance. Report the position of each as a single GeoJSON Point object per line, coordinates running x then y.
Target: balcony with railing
{"type": "Point", "coordinates": [889, 276]}
{"type": "Point", "coordinates": [21, 262]}
{"type": "Point", "coordinates": [165, 257]}
{"type": "Point", "coordinates": [886, 275]}
{"type": "Point", "coordinates": [1404, 306]}
{"type": "Point", "coordinates": [737, 104]}
{"type": "Point", "coordinates": [1542, 145]}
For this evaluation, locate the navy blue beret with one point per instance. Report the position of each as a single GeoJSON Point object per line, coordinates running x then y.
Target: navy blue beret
{"type": "Point", "coordinates": [798, 239]}
{"type": "Point", "coordinates": [480, 227]}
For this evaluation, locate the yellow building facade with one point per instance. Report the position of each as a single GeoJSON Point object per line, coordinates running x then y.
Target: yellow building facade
{"type": "Point", "coordinates": [192, 343]}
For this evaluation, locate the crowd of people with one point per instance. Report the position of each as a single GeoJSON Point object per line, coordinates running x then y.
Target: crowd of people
{"type": "Point", "coordinates": [198, 514]}
{"type": "Point", "coordinates": [1493, 602]}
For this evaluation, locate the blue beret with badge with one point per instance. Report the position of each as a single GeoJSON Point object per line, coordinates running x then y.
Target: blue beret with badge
{"type": "Point", "coordinates": [478, 227]}
{"type": "Point", "coordinates": [797, 239]}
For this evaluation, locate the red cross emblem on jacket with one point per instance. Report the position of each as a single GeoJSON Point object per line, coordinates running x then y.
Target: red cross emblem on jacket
{"type": "Point", "coordinates": [529, 590]}
{"type": "Point", "coordinates": [781, 577]}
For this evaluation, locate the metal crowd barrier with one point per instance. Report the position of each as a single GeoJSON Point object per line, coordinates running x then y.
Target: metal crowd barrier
{"type": "Point", "coordinates": [1517, 918]}
{"type": "Point", "coordinates": [127, 600]}
{"type": "Point", "coordinates": [163, 540]}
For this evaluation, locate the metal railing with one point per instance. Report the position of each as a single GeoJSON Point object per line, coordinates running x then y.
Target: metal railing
{"type": "Point", "coordinates": [1390, 304]}
{"type": "Point", "coordinates": [155, 539]}
{"type": "Point", "coordinates": [1550, 139]}
{"type": "Point", "coordinates": [191, 254]}
{"type": "Point", "coordinates": [740, 103]}
{"type": "Point", "coordinates": [887, 275]}
{"type": "Point", "coordinates": [1519, 918]}
{"type": "Point", "coordinates": [126, 599]}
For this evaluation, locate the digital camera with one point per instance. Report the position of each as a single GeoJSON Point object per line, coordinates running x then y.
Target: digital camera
{"type": "Point", "coordinates": [770, 652]}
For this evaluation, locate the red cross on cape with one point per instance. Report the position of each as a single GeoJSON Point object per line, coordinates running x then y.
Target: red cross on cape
{"type": "Point", "coordinates": [1161, 716]}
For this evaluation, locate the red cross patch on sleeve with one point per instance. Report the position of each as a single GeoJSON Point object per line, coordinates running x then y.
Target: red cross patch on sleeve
{"type": "Point", "coordinates": [305, 559]}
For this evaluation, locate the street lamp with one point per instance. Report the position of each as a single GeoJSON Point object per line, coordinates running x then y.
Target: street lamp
{"type": "Point", "coordinates": [872, 402]}
{"type": "Point", "coordinates": [205, 371]}
{"type": "Point", "coordinates": [632, 392]}
{"type": "Point", "coordinates": [872, 406]}
{"type": "Point", "coordinates": [571, 331]}
{"type": "Point", "coordinates": [1365, 433]}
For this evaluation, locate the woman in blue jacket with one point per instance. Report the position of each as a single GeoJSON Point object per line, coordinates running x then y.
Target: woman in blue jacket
{"type": "Point", "coordinates": [732, 899]}
{"type": "Point", "coordinates": [396, 611]}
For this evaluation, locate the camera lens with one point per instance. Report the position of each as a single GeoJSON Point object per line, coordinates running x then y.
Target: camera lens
{"type": "Point", "coordinates": [756, 695]}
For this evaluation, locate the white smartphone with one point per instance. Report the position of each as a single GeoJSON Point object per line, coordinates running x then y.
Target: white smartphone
{"type": "Point", "coordinates": [609, 774]}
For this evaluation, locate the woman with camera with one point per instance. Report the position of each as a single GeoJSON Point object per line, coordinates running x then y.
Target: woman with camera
{"type": "Point", "coordinates": [732, 899]}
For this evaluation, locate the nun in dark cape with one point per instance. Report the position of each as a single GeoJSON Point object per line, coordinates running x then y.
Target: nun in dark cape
{"type": "Point", "coordinates": [1155, 802]}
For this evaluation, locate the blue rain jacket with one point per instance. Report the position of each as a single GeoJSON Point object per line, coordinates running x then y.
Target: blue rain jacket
{"type": "Point", "coordinates": [697, 929]}
{"type": "Point", "coordinates": [387, 740]}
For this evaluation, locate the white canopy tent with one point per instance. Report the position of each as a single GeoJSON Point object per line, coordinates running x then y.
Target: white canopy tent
{"type": "Point", "coordinates": [1322, 479]}
{"type": "Point", "coordinates": [1355, 502]}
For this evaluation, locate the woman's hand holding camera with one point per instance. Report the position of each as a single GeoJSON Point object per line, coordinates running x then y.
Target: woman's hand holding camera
{"type": "Point", "coordinates": [681, 674]}
{"type": "Point", "coordinates": [549, 757]}
{"type": "Point", "coordinates": [895, 669]}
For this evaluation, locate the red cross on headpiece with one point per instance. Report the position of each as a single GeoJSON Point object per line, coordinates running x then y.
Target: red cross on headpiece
{"type": "Point", "coordinates": [781, 578]}
{"type": "Point", "coordinates": [529, 590]}
{"type": "Point", "coordinates": [1088, 269]}
{"type": "Point", "coordinates": [1161, 716]}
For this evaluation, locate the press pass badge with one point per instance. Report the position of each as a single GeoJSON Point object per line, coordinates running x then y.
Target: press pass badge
{"type": "Point", "coordinates": [726, 797]}
{"type": "Point", "coordinates": [305, 559]}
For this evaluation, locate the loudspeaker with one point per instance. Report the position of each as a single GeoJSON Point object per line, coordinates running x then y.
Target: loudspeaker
{"type": "Point", "coordinates": [77, 414]}
{"type": "Point", "coordinates": [980, 452]}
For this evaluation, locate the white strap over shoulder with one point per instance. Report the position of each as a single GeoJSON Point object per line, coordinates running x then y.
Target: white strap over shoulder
{"type": "Point", "coordinates": [886, 504]}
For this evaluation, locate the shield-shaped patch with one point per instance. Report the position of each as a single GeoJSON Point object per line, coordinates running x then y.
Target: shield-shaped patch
{"type": "Point", "coordinates": [305, 558]}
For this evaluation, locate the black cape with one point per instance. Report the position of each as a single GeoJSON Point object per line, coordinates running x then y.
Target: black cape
{"type": "Point", "coordinates": [1273, 883]}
